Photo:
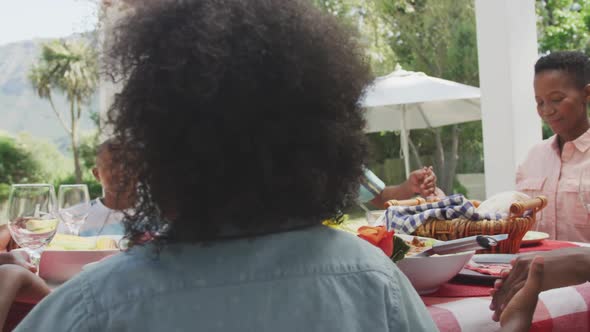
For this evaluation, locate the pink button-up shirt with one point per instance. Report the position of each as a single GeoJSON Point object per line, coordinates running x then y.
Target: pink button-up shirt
{"type": "Point", "coordinates": [557, 176]}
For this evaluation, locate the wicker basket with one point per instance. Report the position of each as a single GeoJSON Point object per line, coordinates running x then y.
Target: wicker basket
{"type": "Point", "coordinates": [516, 225]}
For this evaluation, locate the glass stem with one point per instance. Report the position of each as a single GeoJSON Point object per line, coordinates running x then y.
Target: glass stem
{"type": "Point", "coordinates": [34, 256]}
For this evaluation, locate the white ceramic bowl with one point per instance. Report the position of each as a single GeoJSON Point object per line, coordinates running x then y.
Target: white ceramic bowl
{"type": "Point", "coordinates": [427, 274]}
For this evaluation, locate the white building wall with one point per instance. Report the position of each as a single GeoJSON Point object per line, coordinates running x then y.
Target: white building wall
{"type": "Point", "coordinates": [507, 51]}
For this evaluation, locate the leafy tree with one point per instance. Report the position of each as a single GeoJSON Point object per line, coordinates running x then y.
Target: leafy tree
{"type": "Point", "coordinates": [437, 37]}
{"type": "Point", "coordinates": [17, 165]}
{"type": "Point", "coordinates": [563, 25]}
{"type": "Point", "coordinates": [52, 163]}
{"type": "Point", "coordinates": [374, 32]}
{"type": "Point", "coordinates": [89, 143]}
{"type": "Point", "coordinates": [433, 36]}
{"type": "Point", "coordinates": [70, 68]}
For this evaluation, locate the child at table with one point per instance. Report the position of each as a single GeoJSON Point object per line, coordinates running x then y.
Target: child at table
{"type": "Point", "coordinates": [104, 218]}
{"type": "Point", "coordinates": [106, 213]}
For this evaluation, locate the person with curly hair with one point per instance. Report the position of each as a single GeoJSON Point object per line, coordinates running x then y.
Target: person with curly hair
{"type": "Point", "coordinates": [247, 133]}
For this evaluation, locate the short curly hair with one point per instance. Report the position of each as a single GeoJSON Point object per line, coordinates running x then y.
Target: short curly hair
{"type": "Point", "coordinates": [243, 116]}
{"type": "Point", "coordinates": [575, 63]}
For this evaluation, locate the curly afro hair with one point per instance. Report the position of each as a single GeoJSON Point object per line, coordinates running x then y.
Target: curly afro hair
{"type": "Point", "coordinates": [575, 63]}
{"type": "Point", "coordinates": [239, 117]}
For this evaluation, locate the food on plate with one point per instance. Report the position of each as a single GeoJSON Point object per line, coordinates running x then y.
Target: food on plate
{"type": "Point", "coordinates": [72, 242]}
{"type": "Point", "coordinates": [418, 245]}
{"type": "Point", "coordinates": [489, 269]}
{"type": "Point", "coordinates": [378, 236]}
{"type": "Point", "coordinates": [400, 249]}
{"type": "Point", "coordinates": [381, 238]}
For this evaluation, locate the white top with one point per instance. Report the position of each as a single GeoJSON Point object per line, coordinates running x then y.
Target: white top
{"type": "Point", "coordinates": [100, 221]}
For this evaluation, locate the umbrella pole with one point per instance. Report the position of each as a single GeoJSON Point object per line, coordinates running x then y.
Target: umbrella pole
{"type": "Point", "coordinates": [404, 142]}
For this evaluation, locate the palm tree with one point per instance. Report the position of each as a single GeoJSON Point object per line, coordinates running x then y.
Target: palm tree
{"type": "Point", "coordinates": [72, 69]}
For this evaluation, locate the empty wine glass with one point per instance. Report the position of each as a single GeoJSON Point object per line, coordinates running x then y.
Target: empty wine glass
{"type": "Point", "coordinates": [32, 217]}
{"type": "Point", "coordinates": [74, 204]}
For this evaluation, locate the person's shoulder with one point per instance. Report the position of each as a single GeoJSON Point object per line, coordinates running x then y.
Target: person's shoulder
{"type": "Point", "coordinates": [116, 264]}
{"type": "Point", "coordinates": [67, 308]}
{"type": "Point", "coordinates": [75, 304]}
{"type": "Point", "coordinates": [105, 281]}
{"type": "Point", "coordinates": [344, 251]}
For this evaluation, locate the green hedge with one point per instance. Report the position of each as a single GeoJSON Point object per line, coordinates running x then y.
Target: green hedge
{"type": "Point", "coordinates": [4, 191]}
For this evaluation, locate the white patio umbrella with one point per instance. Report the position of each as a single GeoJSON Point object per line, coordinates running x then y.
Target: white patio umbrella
{"type": "Point", "coordinates": [405, 100]}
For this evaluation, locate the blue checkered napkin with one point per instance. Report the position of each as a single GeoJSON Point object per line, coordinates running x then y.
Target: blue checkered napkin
{"type": "Point", "coordinates": [405, 219]}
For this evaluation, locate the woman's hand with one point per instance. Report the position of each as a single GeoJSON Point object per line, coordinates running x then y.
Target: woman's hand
{"type": "Point", "coordinates": [564, 267]}
{"type": "Point", "coordinates": [518, 314]}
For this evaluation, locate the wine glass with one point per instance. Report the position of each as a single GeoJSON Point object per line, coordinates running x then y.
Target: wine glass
{"type": "Point", "coordinates": [74, 204]}
{"type": "Point", "coordinates": [32, 217]}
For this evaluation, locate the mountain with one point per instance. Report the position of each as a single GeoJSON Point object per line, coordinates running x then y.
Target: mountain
{"type": "Point", "coordinates": [20, 107]}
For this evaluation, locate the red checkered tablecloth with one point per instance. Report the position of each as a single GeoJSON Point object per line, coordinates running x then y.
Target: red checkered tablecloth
{"type": "Point", "coordinates": [564, 309]}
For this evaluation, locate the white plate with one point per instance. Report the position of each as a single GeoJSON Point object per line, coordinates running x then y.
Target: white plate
{"type": "Point", "coordinates": [60, 265]}
{"type": "Point", "coordinates": [533, 237]}
{"type": "Point", "coordinates": [427, 274]}
{"type": "Point", "coordinates": [466, 275]}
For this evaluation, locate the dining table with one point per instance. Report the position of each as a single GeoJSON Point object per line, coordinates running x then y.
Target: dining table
{"type": "Point", "coordinates": [459, 306]}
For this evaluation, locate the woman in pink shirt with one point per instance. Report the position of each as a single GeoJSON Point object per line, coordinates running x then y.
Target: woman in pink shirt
{"type": "Point", "coordinates": [553, 167]}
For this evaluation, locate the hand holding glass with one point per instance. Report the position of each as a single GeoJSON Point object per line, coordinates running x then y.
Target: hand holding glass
{"type": "Point", "coordinates": [32, 217]}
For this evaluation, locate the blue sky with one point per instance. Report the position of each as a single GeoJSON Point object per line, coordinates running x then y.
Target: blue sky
{"type": "Point", "coordinates": [28, 19]}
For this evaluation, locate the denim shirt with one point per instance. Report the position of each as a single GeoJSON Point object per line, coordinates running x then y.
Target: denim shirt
{"type": "Point", "coordinates": [313, 279]}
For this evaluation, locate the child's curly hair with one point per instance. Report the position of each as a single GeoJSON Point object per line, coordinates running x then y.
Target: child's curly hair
{"type": "Point", "coordinates": [242, 115]}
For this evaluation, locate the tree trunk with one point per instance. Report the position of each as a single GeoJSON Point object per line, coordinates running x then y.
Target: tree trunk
{"type": "Point", "coordinates": [77, 169]}
{"type": "Point", "coordinates": [58, 114]}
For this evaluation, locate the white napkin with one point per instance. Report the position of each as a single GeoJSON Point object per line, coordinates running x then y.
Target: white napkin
{"type": "Point", "coordinates": [500, 203]}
